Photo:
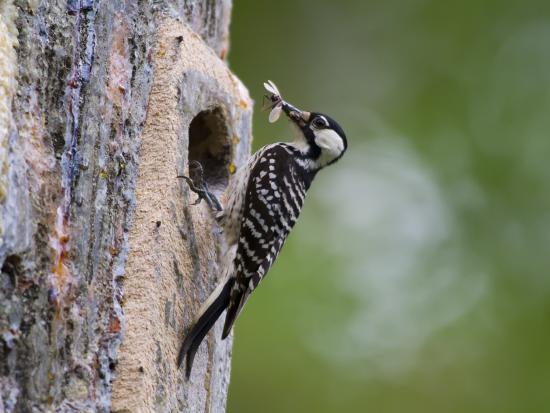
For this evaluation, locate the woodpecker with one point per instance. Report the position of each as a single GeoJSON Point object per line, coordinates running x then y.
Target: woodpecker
{"type": "Point", "coordinates": [265, 198]}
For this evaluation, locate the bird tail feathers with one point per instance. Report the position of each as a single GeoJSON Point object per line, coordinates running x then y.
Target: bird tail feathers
{"type": "Point", "coordinates": [233, 311]}
{"type": "Point", "coordinates": [208, 314]}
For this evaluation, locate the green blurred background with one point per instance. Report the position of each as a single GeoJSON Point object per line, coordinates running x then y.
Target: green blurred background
{"type": "Point", "coordinates": [417, 279]}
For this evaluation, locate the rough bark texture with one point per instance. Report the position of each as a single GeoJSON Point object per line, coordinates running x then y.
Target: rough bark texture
{"type": "Point", "coordinates": [103, 261]}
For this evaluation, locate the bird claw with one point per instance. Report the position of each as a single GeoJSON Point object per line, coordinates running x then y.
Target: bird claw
{"type": "Point", "coordinates": [198, 200]}
{"type": "Point", "coordinates": [198, 185]}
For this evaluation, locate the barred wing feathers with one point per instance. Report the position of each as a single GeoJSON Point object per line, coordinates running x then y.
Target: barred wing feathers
{"type": "Point", "coordinates": [274, 197]}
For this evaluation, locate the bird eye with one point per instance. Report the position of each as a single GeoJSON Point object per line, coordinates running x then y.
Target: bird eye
{"type": "Point", "coordinates": [319, 123]}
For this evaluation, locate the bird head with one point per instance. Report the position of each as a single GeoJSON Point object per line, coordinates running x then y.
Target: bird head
{"type": "Point", "coordinates": [319, 137]}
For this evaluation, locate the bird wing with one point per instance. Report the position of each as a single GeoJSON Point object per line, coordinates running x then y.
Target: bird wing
{"type": "Point", "coordinates": [273, 200]}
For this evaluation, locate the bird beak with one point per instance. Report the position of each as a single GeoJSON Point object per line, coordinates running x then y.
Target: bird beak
{"type": "Point", "coordinates": [298, 116]}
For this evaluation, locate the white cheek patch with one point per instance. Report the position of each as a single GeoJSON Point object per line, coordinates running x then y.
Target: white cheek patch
{"type": "Point", "coordinates": [329, 141]}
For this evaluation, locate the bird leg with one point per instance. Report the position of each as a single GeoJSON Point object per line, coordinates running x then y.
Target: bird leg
{"type": "Point", "coordinates": [198, 185]}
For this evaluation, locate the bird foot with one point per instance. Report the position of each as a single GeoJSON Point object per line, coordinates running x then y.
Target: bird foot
{"type": "Point", "coordinates": [197, 184]}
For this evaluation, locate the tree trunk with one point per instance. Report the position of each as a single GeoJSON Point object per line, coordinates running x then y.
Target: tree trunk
{"type": "Point", "coordinates": [104, 261]}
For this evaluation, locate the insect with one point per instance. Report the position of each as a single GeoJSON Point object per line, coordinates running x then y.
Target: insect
{"type": "Point", "coordinates": [276, 100]}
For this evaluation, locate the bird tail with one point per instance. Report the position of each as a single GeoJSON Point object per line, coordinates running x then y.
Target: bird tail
{"type": "Point", "coordinates": [208, 314]}
{"type": "Point", "coordinates": [233, 311]}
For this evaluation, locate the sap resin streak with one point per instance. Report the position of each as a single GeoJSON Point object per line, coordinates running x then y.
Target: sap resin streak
{"type": "Point", "coordinates": [265, 198]}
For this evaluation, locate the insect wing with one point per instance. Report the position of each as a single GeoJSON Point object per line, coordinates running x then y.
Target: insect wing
{"type": "Point", "coordinates": [271, 88]}
{"type": "Point", "coordinates": [274, 87]}
{"type": "Point", "coordinates": [275, 113]}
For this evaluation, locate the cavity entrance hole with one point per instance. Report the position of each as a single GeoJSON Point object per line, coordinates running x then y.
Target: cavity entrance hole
{"type": "Point", "coordinates": [209, 144]}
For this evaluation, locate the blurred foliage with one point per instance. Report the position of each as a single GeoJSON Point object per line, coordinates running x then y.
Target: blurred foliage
{"type": "Point", "coordinates": [418, 276]}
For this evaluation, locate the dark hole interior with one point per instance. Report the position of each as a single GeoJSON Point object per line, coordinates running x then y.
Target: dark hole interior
{"type": "Point", "coordinates": [209, 144]}
{"type": "Point", "coordinates": [12, 268]}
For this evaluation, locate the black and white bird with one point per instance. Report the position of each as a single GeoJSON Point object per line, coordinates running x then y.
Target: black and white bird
{"type": "Point", "coordinates": [265, 198]}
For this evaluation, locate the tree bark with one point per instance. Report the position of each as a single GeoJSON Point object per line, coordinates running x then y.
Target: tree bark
{"type": "Point", "coordinates": [104, 261]}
